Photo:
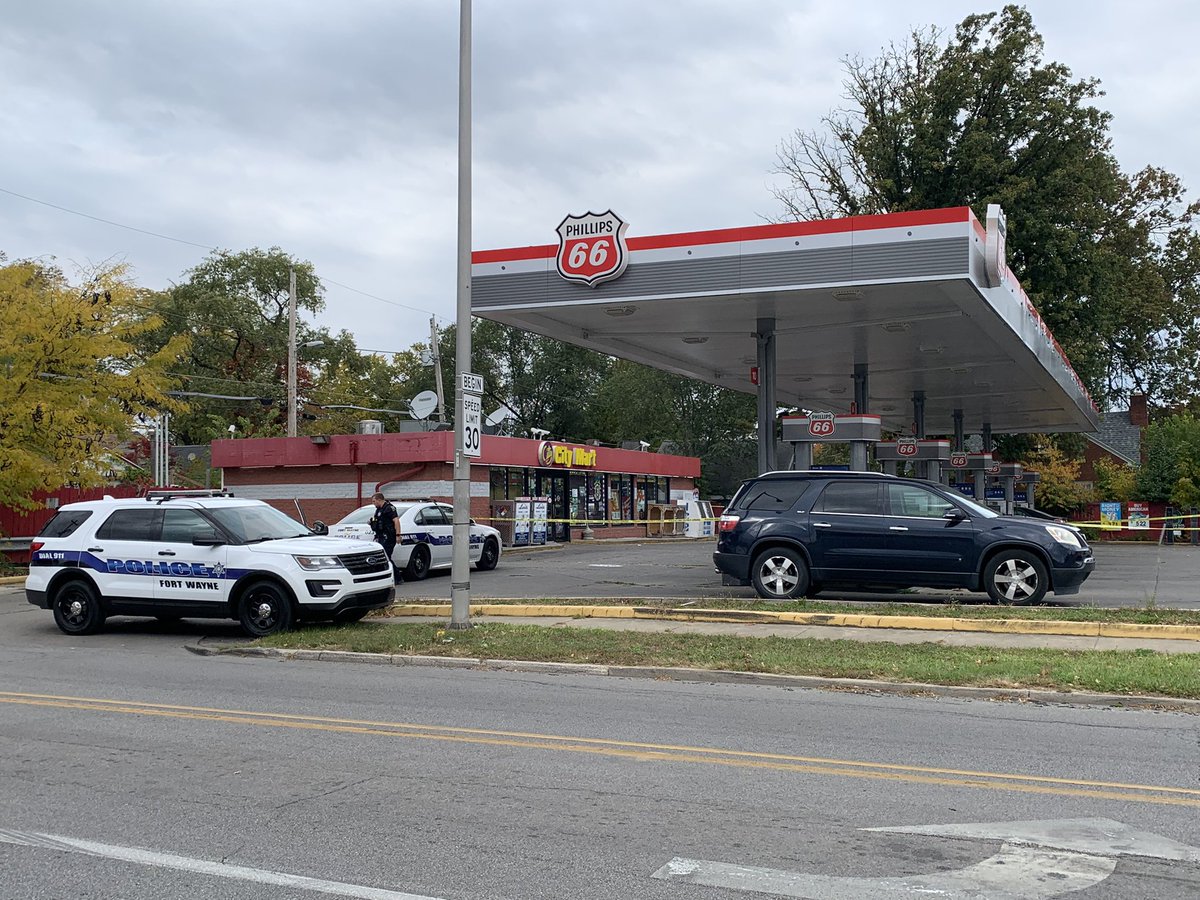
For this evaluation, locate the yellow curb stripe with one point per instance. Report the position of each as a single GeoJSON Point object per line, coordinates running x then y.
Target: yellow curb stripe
{"type": "Point", "coordinates": [844, 620]}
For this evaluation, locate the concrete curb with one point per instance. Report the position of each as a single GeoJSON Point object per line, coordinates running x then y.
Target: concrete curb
{"type": "Point", "coordinates": [842, 620]}
{"type": "Point", "coordinates": [12, 579]}
{"type": "Point", "coordinates": [717, 676]}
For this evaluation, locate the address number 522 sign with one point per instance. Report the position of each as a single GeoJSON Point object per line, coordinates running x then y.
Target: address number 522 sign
{"type": "Point", "coordinates": [591, 247]}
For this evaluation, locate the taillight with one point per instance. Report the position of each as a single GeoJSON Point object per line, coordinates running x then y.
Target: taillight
{"type": "Point", "coordinates": [728, 523]}
{"type": "Point", "coordinates": [36, 546]}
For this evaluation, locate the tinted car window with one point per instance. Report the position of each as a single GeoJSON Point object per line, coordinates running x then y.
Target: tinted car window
{"type": "Point", "coordinates": [861, 497]}
{"type": "Point", "coordinates": [916, 501]}
{"type": "Point", "coordinates": [772, 496]}
{"type": "Point", "coordinates": [431, 515]}
{"type": "Point", "coordinates": [64, 523]}
{"type": "Point", "coordinates": [179, 525]}
{"type": "Point", "coordinates": [130, 525]}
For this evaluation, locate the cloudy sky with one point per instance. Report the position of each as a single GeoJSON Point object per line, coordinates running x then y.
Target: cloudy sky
{"type": "Point", "coordinates": [330, 129]}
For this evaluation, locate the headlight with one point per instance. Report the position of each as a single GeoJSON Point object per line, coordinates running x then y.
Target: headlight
{"type": "Point", "coordinates": [1065, 536]}
{"type": "Point", "coordinates": [315, 563]}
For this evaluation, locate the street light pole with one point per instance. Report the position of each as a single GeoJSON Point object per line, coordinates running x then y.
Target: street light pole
{"type": "Point", "coordinates": [291, 363]}
{"type": "Point", "coordinates": [460, 565]}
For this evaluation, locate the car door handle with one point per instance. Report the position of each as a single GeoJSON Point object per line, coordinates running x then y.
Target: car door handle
{"type": "Point", "coordinates": [166, 552]}
{"type": "Point", "coordinates": [95, 549]}
{"type": "Point", "coordinates": [822, 525]}
{"type": "Point", "coordinates": [897, 528]}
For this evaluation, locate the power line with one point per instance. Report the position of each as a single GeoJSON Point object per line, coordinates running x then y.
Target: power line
{"type": "Point", "coordinates": [167, 237]}
{"type": "Point", "coordinates": [75, 212]}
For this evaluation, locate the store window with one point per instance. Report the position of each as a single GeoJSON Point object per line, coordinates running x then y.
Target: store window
{"type": "Point", "coordinates": [597, 504]}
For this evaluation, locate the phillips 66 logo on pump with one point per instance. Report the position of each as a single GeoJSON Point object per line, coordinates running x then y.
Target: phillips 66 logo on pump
{"type": "Point", "coordinates": [820, 424]}
{"type": "Point", "coordinates": [591, 247]}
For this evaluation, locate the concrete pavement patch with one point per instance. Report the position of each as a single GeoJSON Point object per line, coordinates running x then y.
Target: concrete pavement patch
{"type": "Point", "coordinates": [844, 620]}
{"type": "Point", "coordinates": [719, 676]}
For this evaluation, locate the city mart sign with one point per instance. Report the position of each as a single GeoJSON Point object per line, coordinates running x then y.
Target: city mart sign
{"type": "Point", "coordinates": [552, 454]}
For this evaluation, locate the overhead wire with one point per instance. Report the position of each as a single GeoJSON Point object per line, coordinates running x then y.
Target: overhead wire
{"type": "Point", "coordinates": [178, 240]}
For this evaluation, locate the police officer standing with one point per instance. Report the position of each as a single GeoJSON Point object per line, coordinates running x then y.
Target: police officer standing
{"type": "Point", "coordinates": [386, 526]}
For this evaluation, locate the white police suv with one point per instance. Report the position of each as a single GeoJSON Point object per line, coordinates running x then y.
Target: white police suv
{"type": "Point", "coordinates": [199, 554]}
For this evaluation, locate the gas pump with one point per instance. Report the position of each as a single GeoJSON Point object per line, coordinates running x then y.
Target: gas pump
{"type": "Point", "coordinates": [969, 473]}
{"type": "Point", "coordinates": [859, 431]}
{"type": "Point", "coordinates": [1010, 474]}
{"type": "Point", "coordinates": [934, 453]}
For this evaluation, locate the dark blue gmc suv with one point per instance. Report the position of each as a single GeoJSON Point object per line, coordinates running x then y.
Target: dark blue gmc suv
{"type": "Point", "coordinates": [792, 533]}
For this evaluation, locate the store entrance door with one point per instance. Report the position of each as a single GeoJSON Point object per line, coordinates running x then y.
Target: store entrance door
{"type": "Point", "coordinates": [554, 486]}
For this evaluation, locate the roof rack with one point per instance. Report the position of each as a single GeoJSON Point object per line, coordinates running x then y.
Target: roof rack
{"type": "Point", "coordinates": [165, 494]}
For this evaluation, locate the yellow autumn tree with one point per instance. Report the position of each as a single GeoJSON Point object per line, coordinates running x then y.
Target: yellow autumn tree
{"type": "Point", "coordinates": [71, 383]}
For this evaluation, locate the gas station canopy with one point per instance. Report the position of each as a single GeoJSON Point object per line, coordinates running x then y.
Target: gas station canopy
{"type": "Point", "coordinates": [922, 302]}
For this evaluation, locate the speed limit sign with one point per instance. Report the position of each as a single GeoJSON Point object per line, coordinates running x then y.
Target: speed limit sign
{"type": "Point", "coordinates": [472, 425]}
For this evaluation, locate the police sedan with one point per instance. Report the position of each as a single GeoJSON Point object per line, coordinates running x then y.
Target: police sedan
{"type": "Point", "coordinates": [426, 537]}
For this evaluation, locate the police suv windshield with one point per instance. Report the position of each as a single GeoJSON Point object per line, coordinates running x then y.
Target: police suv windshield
{"type": "Point", "coordinates": [252, 524]}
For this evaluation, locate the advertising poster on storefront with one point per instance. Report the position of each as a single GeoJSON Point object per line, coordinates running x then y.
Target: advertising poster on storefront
{"type": "Point", "coordinates": [540, 506]}
{"type": "Point", "coordinates": [1110, 515]}
{"type": "Point", "coordinates": [1139, 516]}
{"type": "Point", "coordinates": [521, 521]}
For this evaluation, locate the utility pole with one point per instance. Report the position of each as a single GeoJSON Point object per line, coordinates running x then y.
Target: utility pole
{"type": "Point", "coordinates": [436, 354]}
{"type": "Point", "coordinates": [460, 565]}
{"type": "Point", "coordinates": [291, 363]}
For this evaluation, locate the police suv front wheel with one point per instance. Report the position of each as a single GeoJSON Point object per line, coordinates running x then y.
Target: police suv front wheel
{"type": "Point", "coordinates": [265, 609]}
{"type": "Point", "coordinates": [77, 609]}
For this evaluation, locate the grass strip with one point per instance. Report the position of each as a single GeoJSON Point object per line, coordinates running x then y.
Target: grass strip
{"type": "Point", "coordinates": [1145, 615]}
{"type": "Point", "coordinates": [1109, 671]}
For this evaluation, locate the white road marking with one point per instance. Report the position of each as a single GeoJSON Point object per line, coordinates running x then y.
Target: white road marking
{"type": "Point", "coordinates": [1103, 837]}
{"type": "Point", "coordinates": [1039, 859]}
{"type": "Point", "coordinates": [606, 565]}
{"type": "Point", "coordinates": [1015, 873]}
{"type": "Point", "coordinates": [201, 866]}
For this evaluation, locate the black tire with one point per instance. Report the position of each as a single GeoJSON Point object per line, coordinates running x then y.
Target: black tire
{"type": "Point", "coordinates": [489, 556]}
{"type": "Point", "coordinates": [77, 609]}
{"type": "Point", "coordinates": [780, 574]}
{"type": "Point", "coordinates": [1016, 577]}
{"type": "Point", "coordinates": [265, 608]}
{"type": "Point", "coordinates": [418, 564]}
{"type": "Point", "coordinates": [350, 616]}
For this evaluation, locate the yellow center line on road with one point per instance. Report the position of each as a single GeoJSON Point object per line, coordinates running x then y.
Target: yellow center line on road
{"type": "Point", "coordinates": [743, 759]}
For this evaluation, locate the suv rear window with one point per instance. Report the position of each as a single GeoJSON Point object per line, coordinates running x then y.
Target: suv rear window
{"type": "Point", "coordinates": [130, 525]}
{"type": "Point", "coordinates": [63, 524]}
{"type": "Point", "coordinates": [770, 496]}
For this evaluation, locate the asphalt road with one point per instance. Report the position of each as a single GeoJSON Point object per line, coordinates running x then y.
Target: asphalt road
{"type": "Point", "coordinates": [1125, 575]}
{"type": "Point", "coordinates": [132, 769]}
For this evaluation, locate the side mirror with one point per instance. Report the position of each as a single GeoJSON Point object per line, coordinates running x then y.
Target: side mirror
{"type": "Point", "coordinates": [207, 537]}
{"type": "Point", "coordinates": [954, 516]}
{"type": "Point", "coordinates": [319, 527]}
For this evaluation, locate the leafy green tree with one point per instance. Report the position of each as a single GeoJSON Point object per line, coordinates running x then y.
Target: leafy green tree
{"type": "Point", "coordinates": [636, 403]}
{"type": "Point", "coordinates": [548, 384]}
{"type": "Point", "coordinates": [1111, 260]}
{"type": "Point", "coordinates": [234, 306]}
{"type": "Point", "coordinates": [1059, 489]}
{"type": "Point", "coordinates": [1115, 481]}
{"type": "Point", "coordinates": [1172, 456]}
{"type": "Point", "coordinates": [74, 381]}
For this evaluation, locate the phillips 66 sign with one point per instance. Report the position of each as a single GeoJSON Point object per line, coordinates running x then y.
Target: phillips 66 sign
{"type": "Point", "coordinates": [591, 247]}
